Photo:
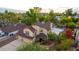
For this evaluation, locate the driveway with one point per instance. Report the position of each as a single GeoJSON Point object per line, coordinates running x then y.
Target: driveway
{"type": "Point", "coordinates": [11, 46]}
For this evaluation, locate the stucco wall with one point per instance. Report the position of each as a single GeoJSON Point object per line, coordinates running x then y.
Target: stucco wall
{"type": "Point", "coordinates": [30, 32]}
{"type": "Point", "coordinates": [26, 40]}
{"type": "Point", "coordinates": [40, 29]}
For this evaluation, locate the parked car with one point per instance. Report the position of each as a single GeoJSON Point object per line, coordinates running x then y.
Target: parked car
{"type": "Point", "coordinates": [2, 34]}
{"type": "Point", "coordinates": [12, 33]}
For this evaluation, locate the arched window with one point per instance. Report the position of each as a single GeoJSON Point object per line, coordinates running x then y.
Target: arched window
{"type": "Point", "coordinates": [27, 33]}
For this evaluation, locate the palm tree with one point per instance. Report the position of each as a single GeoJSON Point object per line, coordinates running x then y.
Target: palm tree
{"type": "Point", "coordinates": [31, 16]}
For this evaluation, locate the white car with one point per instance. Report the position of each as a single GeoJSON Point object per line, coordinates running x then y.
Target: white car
{"type": "Point", "coordinates": [13, 33]}
{"type": "Point", "coordinates": [2, 34]}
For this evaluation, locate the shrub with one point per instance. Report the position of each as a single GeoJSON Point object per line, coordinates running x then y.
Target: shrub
{"type": "Point", "coordinates": [75, 20]}
{"type": "Point", "coordinates": [52, 36]}
{"type": "Point", "coordinates": [71, 24]}
{"type": "Point", "coordinates": [69, 33]}
{"type": "Point", "coordinates": [65, 44]}
{"type": "Point", "coordinates": [77, 24]}
{"type": "Point", "coordinates": [62, 36]}
{"type": "Point", "coordinates": [31, 47]}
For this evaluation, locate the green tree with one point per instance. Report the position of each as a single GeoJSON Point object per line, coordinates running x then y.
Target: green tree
{"type": "Point", "coordinates": [31, 16]}
{"type": "Point", "coordinates": [41, 18]}
{"type": "Point", "coordinates": [6, 11]}
{"type": "Point", "coordinates": [62, 36]}
{"type": "Point", "coordinates": [75, 13]}
{"type": "Point", "coordinates": [71, 24]}
{"type": "Point", "coordinates": [51, 16]}
{"type": "Point", "coordinates": [68, 12]}
{"type": "Point", "coordinates": [64, 20]}
{"type": "Point", "coordinates": [75, 20]}
{"type": "Point", "coordinates": [28, 21]}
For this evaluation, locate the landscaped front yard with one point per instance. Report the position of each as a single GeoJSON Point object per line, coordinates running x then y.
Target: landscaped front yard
{"type": "Point", "coordinates": [55, 42]}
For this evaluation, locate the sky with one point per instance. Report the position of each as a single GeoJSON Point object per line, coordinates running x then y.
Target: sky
{"type": "Point", "coordinates": [45, 4]}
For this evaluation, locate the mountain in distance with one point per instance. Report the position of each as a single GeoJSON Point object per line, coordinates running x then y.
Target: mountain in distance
{"type": "Point", "coordinates": [63, 9]}
{"type": "Point", "coordinates": [2, 10]}
{"type": "Point", "coordinates": [60, 10]}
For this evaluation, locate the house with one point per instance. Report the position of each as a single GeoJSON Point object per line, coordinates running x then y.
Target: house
{"type": "Point", "coordinates": [77, 36]}
{"type": "Point", "coordinates": [43, 28]}
{"type": "Point", "coordinates": [77, 16]}
{"type": "Point", "coordinates": [38, 32]}
{"type": "Point", "coordinates": [25, 33]}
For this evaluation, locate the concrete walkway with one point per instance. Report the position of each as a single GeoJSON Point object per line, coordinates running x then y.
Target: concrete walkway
{"type": "Point", "coordinates": [11, 46]}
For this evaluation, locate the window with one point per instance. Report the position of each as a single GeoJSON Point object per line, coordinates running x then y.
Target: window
{"type": "Point", "coordinates": [27, 33]}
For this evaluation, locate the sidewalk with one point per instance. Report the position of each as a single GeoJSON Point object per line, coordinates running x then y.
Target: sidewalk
{"type": "Point", "coordinates": [11, 46]}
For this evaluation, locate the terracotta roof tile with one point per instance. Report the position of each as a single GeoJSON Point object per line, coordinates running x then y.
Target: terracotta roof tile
{"type": "Point", "coordinates": [44, 25]}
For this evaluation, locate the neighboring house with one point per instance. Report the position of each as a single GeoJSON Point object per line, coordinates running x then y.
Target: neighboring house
{"type": "Point", "coordinates": [77, 16]}
{"type": "Point", "coordinates": [57, 31]}
{"type": "Point", "coordinates": [43, 27]}
{"type": "Point", "coordinates": [77, 37]}
{"type": "Point", "coordinates": [24, 32]}
{"type": "Point", "coordinates": [4, 23]}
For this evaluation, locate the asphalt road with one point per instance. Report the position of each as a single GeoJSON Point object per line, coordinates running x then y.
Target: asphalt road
{"type": "Point", "coordinates": [7, 39]}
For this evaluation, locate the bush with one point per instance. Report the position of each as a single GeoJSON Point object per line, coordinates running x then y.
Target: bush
{"type": "Point", "coordinates": [65, 20]}
{"type": "Point", "coordinates": [31, 47]}
{"type": "Point", "coordinates": [77, 23]}
{"type": "Point", "coordinates": [62, 36]}
{"type": "Point", "coordinates": [52, 36]}
{"type": "Point", "coordinates": [69, 33]}
{"type": "Point", "coordinates": [65, 44]}
{"type": "Point", "coordinates": [75, 20]}
{"type": "Point", "coordinates": [71, 24]}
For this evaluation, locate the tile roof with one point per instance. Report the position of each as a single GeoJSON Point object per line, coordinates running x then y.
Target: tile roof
{"type": "Point", "coordinates": [44, 25]}
{"type": "Point", "coordinates": [17, 27]}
